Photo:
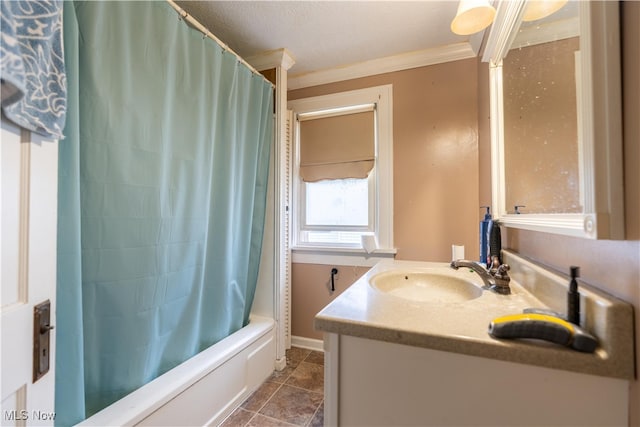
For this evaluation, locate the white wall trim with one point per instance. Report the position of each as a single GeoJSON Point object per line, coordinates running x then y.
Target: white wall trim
{"type": "Point", "coordinates": [382, 96]}
{"type": "Point", "coordinates": [307, 343]}
{"type": "Point", "coordinates": [599, 118]}
{"type": "Point", "coordinates": [405, 61]}
{"type": "Point", "coordinates": [350, 257]}
{"type": "Point", "coordinates": [272, 59]}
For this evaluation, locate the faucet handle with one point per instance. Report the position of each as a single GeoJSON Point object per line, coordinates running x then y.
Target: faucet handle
{"type": "Point", "coordinates": [502, 279]}
{"type": "Point", "coordinates": [494, 265]}
{"type": "Point", "coordinates": [502, 270]}
{"type": "Point", "coordinates": [502, 276]}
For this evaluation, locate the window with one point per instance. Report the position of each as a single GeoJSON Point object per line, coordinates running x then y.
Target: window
{"type": "Point", "coordinates": [342, 171]}
{"type": "Point", "coordinates": [337, 211]}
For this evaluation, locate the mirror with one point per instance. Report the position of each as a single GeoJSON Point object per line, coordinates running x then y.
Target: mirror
{"type": "Point", "coordinates": [556, 119]}
{"type": "Point", "coordinates": [541, 115]}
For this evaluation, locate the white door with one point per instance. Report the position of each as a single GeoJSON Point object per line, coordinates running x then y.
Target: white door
{"type": "Point", "coordinates": [29, 182]}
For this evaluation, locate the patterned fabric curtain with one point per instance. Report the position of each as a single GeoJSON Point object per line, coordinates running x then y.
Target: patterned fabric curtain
{"type": "Point", "coordinates": [32, 71]}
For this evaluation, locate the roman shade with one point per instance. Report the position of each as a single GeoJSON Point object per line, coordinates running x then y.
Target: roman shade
{"type": "Point", "coordinates": [337, 146]}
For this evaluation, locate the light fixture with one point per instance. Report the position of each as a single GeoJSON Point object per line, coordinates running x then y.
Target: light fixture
{"type": "Point", "coordinates": [476, 15]}
{"type": "Point", "coordinates": [538, 9]}
{"type": "Point", "coordinates": [472, 16]}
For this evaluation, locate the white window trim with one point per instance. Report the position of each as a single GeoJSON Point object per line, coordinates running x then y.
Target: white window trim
{"type": "Point", "coordinates": [382, 96]}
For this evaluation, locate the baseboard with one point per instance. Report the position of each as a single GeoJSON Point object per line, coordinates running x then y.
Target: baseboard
{"type": "Point", "coordinates": [308, 343]}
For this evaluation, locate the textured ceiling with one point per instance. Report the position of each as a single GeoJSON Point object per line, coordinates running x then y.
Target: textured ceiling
{"type": "Point", "coordinates": [328, 34]}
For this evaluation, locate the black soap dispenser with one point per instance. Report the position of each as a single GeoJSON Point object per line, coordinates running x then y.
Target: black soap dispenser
{"type": "Point", "coordinates": [495, 243]}
{"type": "Point", "coordinates": [573, 298]}
{"type": "Point", "coordinates": [484, 235]}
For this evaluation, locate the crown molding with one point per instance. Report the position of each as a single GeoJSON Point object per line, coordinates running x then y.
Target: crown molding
{"type": "Point", "coordinates": [272, 59]}
{"type": "Point", "coordinates": [387, 64]}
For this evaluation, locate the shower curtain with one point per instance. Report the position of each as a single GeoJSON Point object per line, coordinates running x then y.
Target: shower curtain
{"type": "Point", "coordinates": [162, 195]}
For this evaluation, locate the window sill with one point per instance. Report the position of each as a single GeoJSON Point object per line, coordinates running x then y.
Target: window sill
{"type": "Point", "coordinates": [340, 256]}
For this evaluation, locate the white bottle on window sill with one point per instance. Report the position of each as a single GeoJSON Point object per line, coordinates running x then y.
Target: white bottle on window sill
{"type": "Point", "coordinates": [369, 243]}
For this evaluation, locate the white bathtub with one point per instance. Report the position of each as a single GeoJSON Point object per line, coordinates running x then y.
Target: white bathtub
{"type": "Point", "coordinates": [205, 389]}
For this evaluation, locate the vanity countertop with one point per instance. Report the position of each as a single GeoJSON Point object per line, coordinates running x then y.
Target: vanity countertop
{"type": "Point", "coordinates": [461, 327]}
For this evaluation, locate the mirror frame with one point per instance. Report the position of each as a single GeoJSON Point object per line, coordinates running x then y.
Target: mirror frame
{"type": "Point", "coordinates": [600, 128]}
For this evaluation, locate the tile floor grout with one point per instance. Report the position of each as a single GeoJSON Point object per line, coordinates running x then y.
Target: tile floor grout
{"type": "Point", "coordinates": [315, 414]}
{"type": "Point", "coordinates": [275, 419]}
{"type": "Point", "coordinates": [291, 397]}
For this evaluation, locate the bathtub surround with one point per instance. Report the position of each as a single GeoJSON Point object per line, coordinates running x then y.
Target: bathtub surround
{"type": "Point", "coordinates": [190, 394]}
{"type": "Point", "coordinates": [163, 180]}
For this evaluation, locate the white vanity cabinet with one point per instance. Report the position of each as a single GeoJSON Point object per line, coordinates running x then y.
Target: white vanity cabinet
{"type": "Point", "coordinates": [398, 360]}
{"type": "Point", "coordinates": [376, 383]}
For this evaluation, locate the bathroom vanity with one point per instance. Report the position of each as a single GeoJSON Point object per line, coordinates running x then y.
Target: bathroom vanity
{"type": "Point", "coordinates": [395, 356]}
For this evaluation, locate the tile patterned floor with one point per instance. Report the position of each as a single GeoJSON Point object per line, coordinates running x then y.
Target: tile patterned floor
{"type": "Point", "coordinates": [291, 397]}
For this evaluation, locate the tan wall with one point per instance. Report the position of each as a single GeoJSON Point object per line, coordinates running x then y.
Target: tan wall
{"type": "Point", "coordinates": [613, 266]}
{"type": "Point", "coordinates": [311, 292]}
{"type": "Point", "coordinates": [435, 150]}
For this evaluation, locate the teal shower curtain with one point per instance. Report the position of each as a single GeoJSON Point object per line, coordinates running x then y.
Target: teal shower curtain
{"type": "Point", "coordinates": [162, 195]}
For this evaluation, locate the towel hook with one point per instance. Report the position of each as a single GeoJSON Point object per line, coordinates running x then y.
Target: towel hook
{"type": "Point", "coordinates": [334, 271]}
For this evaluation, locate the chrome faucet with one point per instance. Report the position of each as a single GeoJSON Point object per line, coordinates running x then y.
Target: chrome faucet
{"type": "Point", "coordinates": [495, 279]}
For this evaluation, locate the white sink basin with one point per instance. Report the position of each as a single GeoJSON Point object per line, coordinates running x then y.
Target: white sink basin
{"type": "Point", "coordinates": [425, 286]}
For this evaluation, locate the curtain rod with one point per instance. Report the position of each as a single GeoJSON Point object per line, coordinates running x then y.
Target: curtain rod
{"type": "Point", "coordinates": [193, 21]}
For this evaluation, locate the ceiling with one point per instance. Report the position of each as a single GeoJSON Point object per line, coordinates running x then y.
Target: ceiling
{"type": "Point", "coordinates": [334, 40]}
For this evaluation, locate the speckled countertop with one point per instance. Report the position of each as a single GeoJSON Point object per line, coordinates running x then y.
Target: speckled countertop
{"type": "Point", "coordinates": [461, 327]}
